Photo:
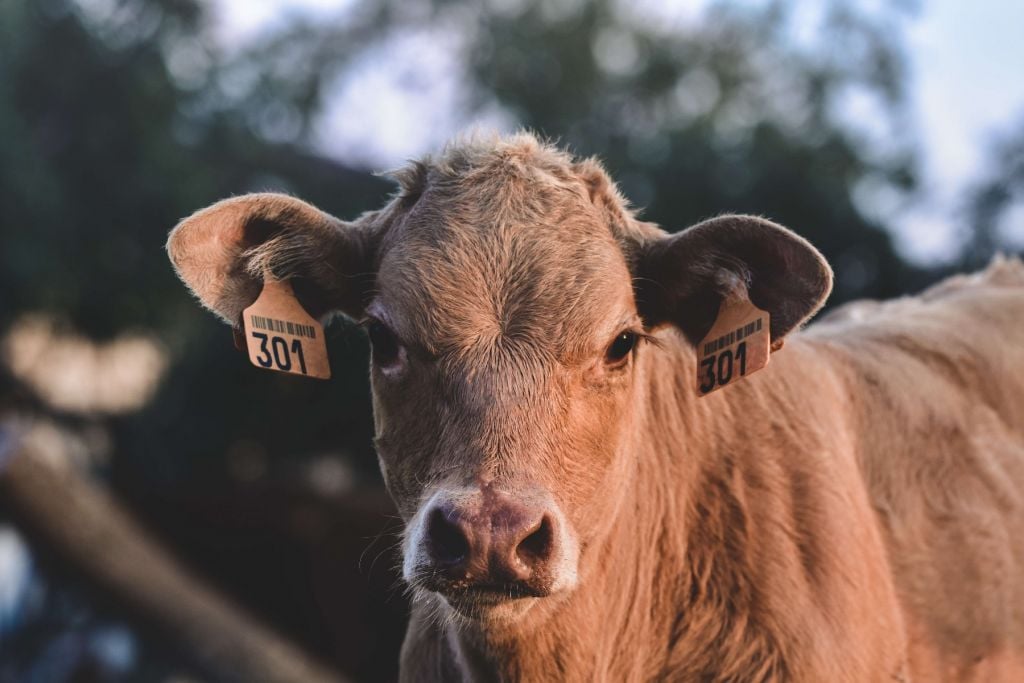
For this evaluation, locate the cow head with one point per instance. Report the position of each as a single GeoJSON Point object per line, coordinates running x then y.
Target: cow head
{"type": "Point", "coordinates": [512, 302]}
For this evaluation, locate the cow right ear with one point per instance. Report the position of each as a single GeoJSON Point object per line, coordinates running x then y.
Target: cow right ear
{"type": "Point", "coordinates": [223, 251]}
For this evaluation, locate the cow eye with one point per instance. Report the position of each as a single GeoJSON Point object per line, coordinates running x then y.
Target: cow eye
{"type": "Point", "coordinates": [383, 342]}
{"type": "Point", "coordinates": [620, 348]}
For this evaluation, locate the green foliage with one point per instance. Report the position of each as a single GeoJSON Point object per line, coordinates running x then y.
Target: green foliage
{"type": "Point", "coordinates": [105, 150]}
{"type": "Point", "coordinates": [730, 114]}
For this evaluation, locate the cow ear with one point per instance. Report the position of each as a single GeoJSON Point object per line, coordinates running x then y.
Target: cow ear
{"type": "Point", "coordinates": [223, 251]}
{"type": "Point", "coordinates": [681, 279]}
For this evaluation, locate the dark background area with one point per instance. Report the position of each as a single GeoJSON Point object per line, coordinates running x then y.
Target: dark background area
{"type": "Point", "coordinates": [117, 123]}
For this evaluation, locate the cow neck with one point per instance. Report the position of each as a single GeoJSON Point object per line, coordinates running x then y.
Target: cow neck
{"type": "Point", "coordinates": [756, 566]}
{"type": "Point", "coordinates": [716, 634]}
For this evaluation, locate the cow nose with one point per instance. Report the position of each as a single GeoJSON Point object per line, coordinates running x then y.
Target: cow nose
{"type": "Point", "coordinates": [448, 536]}
{"type": "Point", "coordinates": [499, 540]}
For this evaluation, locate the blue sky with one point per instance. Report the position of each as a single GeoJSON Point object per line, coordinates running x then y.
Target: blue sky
{"type": "Point", "coordinates": [967, 85]}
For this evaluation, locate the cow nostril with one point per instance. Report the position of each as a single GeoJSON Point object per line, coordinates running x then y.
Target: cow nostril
{"type": "Point", "coordinates": [537, 545]}
{"type": "Point", "coordinates": [448, 543]}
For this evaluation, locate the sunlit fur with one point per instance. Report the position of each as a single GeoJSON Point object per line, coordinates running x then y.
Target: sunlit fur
{"type": "Point", "coordinates": [853, 512]}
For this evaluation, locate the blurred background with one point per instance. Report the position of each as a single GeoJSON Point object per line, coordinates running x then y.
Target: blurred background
{"type": "Point", "coordinates": [889, 132]}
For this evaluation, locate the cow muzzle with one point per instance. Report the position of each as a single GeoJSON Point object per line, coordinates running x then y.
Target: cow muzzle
{"type": "Point", "coordinates": [484, 546]}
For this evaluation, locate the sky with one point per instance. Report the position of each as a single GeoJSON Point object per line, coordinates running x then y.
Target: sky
{"type": "Point", "coordinates": [967, 62]}
{"type": "Point", "coordinates": [966, 87]}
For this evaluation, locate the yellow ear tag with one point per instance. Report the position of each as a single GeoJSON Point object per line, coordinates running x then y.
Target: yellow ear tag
{"type": "Point", "coordinates": [280, 335]}
{"type": "Point", "coordinates": [737, 345]}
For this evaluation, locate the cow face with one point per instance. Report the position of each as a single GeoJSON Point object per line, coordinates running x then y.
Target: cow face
{"type": "Point", "coordinates": [506, 341]}
{"type": "Point", "coordinates": [510, 298]}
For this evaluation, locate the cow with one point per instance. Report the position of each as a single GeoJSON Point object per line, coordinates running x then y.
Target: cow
{"type": "Point", "coordinates": [574, 510]}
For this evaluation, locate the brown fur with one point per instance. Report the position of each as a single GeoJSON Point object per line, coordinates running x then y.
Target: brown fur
{"type": "Point", "coordinates": [851, 513]}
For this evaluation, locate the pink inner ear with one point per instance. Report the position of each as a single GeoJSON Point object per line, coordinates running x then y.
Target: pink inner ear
{"type": "Point", "coordinates": [206, 250]}
{"type": "Point", "coordinates": [230, 236]}
{"type": "Point", "coordinates": [326, 260]}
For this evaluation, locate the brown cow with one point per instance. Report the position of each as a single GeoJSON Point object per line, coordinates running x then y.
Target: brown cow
{"type": "Point", "coordinates": [575, 512]}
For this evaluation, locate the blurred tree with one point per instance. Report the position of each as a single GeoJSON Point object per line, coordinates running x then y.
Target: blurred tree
{"type": "Point", "coordinates": [114, 134]}
{"type": "Point", "coordinates": [115, 127]}
{"type": "Point", "coordinates": [738, 111]}
{"type": "Point", "coordinates": [995, 206]}
{"type": "Point", "coordinates": [731, 113]}
{"type": "Point", "coordinates": [115, 131]}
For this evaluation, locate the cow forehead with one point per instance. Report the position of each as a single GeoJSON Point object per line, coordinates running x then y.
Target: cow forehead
{"type": "Point", "coordinates": [461, 273]}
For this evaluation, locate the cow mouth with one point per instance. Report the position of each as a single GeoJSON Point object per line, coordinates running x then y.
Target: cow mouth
{"type": "Point", "coordinates": [477, 595]}
{"type": "Point", "coordinates": [491, 604]}
{"type": "Point", "coordinates": [485, 594]}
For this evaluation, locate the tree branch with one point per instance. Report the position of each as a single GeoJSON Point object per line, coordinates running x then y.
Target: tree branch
{"type": "Point", "coordinates": [81, 524]}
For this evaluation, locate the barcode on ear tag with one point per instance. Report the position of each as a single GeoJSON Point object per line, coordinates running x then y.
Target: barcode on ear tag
{"type": "Point", "coordinates": [280, 335]}
{"type": "Point", "coordinates": [737, 345]}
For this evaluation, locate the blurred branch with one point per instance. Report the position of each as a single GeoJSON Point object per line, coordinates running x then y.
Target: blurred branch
{"type": "Point", "coordinates": [80, 524]}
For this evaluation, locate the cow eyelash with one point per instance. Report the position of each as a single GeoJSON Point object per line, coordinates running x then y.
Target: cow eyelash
{"type": "Point", "coordinates": [623, 345]}
{"type": "Point", "coordinates": [385, 345]}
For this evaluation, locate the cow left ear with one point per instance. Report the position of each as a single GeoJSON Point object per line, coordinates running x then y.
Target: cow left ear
{"type": "Point", "coordinates": [681, 279]}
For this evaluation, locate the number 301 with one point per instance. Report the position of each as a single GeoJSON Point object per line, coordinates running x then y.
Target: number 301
{"type": "Point", "coordinates": [282, 357]}
{"type": "Point", "coordinates": [718, 369]}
